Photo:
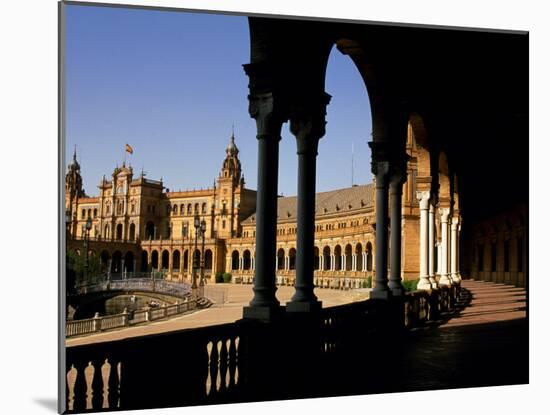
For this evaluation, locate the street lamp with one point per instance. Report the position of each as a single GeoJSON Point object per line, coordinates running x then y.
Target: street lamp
{"type": "Point", "coordinates": [86, 230]}
{"type": "Point", "coordinates": [197, 224]}
{"type": "Point", "coordinates": [203, 233]}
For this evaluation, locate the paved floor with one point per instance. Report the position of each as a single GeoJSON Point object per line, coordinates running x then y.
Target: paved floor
{"type": "Point", "coordinates": [237, 297]}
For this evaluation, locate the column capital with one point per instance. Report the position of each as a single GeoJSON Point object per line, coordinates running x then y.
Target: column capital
{"type": "Point", "coordinates": [455, 221]}
{"type": "Point", "coordinates": [424, 199]}
{"type": "Point", "coordinates": [444, 212]}
{"type": "Point", "coordinates": [269, 113]}
{"type": "Point", "coordinates": [307, 122]}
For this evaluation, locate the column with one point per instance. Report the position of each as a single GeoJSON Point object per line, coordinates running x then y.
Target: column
{"type": "Point", "coordinates": [287, 263]}
{"type": "Point", "coordinates": [396, 192]}
{"type": "Point", "coordinates": [333, 262]}
{"type": "Point", "coordinates": [264, 304]}
{"type": "Point", "coordinates": [343, 262]}
{"type": "Point", "coordinates": [321, 262]}
{"type": "Point", "coordinates": [364, 263]}
{"type": "Point", "coordinates": [307, 124]}
{"type": "Point", "coordinates": [354, 262]}
{"type": "Point", "coordinates": [454, 250]}
{"type": "Point", "coordinates": [381, 170]}
{"type": "Point", "coordinates": [431, 245]}
{"type": "Point", "coordinates": [276, 263]}
{"type": "Point", "coordinates": [444, 279]}
{"type": "Point", "coordinates": [424, 199]}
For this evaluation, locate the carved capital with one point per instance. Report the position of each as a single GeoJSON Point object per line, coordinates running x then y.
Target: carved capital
{"type": "Point", "coordinates": [268, 114]}
{"type": "Point", "coordinates": [307, 122]}
{"type": "Point", "coordinates": [424, 199]}
{"type": "Point", "coordinates": [444, 213]}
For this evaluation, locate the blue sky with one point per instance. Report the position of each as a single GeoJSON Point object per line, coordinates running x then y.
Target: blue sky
{"type": "Point", "coordinates": [171, 85]}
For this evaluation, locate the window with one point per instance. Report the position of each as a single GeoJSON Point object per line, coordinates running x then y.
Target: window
{"type": "Point", "coordinates": [204, 208]}
{"type": "Point", "coordinates": [83, 213]}
{"type": "Point", "coordinates": [507, 256]}
{"type": "Point", "coordinates": [223, 224]}
{"type": "Point", "coordinates": [189, 209]}
{"type": "Point", "coordinates": [95, 213]}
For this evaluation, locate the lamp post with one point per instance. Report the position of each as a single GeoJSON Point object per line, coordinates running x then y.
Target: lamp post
{"type": "Point", "coordinates": [86, 230]}
{"type": "Point", "coordinates": [203, 233]}
{"type": "Point", "coordinates": [195, 265]}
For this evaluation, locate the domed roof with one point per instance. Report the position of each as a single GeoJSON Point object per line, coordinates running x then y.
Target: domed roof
{"type": "Point", "coordinates": [74, 164]}
{"type": "Point", "coordinates": [231, 147]}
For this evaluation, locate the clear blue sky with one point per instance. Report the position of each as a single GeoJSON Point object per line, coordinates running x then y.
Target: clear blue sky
{"type": "Point", "coordinates": [171, 84]}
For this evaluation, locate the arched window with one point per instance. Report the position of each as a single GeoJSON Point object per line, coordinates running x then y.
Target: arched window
{"type": "Point", "coordinates": [348, 258]}
{"type": "Point", "coordinates": [196, 208]}
{"type": "Point", "coordinates": [176, 260]}
{"type": "Point", "coordinates": [337, 258]}
{"type": "Point", "coordinates": [203, 208]}
{"type": "Point", "coordinates": [292, 258]}
{"type": "Point", "coordinates": [208, 260]}
{"type": "Point", "coordinates": [95, 213]}
{"type": "Point", "coordinates": [369, 256]}
{"type": "Point", "coordinates": [235, 260]}
{"type": "Point", "coordinates": [281, 258]}
{"type": "Point", "coordinates": [175, 209]}
{"type": "Point", "coordinates": [132, 235]}
{"type": "Point", "coordinates": [326, 258]}
{"type": "Point", "coordinates": [189, 208]}
{"type": "Point", "coordinates": [119, 231]}
{"type": "Point", "coordinates": [246, 260]}
{"type": "Point", "coordinates": [315, 258]}
{"type": "Point", "coordinates": [182, 209]}
{"type": "Point", "coordinates": [165, 259]}
{"type": "Point", "coordinates": [359, 257]}
{"type": "Point", "coordinates": [83, 213]}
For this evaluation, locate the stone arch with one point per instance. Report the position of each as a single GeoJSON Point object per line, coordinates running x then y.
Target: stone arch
{"type": "Point", "coordinates": [144, 261]}
{"type": "Point", "coordinates": [165, 259]}
{"type": "Point", "coordinates": [235, 260]}
{"type": "Point", "coordinates": [292, 258]}
{"type": "Point", "coordinates": [176, 260]}
{"type": "Point", "coordinates": [132, 232]}
{"type": "Point", "coordinates": [208, 259]}
{"type": "Point", "coordinates": [129, 262]}
{"type": "Point", "coordinates": [104, 258]}
{"type": "Point", "coordinates": [119, 231]}
{"type": "Point", "coordinates": [326, 258]}
{"type": "Point", "coordinates": [359, 257]}
{"type": "Point", "coordinates": [280, 259]}
{"type": "Point", "coordinates": [155, 259]}
{"type": "Point", "coordinates": [369, 256]}
{"type": "Point", "coordinates": [116, 262]}
{"type": "Point", "coordinates": [348, 257]}
{"type": "Point", "coordinates": [246, 260]}
{"type": "Point", "coordinates": [337, 258]}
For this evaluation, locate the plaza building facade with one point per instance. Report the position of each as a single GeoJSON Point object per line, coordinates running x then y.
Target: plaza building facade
{"type": "Point", "coordinates": [139, 226]}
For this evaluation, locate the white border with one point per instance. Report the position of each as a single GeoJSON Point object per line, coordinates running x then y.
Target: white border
{"type": "Point", "coordinates": [28, 208]}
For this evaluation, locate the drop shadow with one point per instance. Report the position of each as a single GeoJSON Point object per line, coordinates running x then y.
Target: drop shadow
{"type": "Point", "coordinates": [48, 403]}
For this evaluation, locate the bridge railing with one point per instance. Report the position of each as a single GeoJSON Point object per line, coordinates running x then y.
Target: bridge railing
{"type": "Point", "coordinates": [115, 321]}
{"type": "Point", "coordinates": [137, 284]}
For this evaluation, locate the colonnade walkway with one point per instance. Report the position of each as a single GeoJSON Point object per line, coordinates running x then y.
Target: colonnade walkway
{"type": "Point", "coordinates": [485, 342]}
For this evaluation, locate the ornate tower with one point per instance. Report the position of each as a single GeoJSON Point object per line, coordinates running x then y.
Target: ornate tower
{"type": "Point", "coordinates": [73, 183]}
{"type": "Point", "coordinates": [228, 190]}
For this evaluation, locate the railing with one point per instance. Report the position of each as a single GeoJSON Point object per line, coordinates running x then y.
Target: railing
{"type": "Point", "coordinates": [137, 284]}
{"type": "Point", "coordinates": [125, 319]}
{"type": "Point", "coordinates": [331, 352]}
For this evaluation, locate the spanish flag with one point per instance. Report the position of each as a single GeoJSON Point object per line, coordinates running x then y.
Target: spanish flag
{"type": "Point", "coordinates": [129, 149]}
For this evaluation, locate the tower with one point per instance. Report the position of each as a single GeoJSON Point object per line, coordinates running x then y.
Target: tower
{"type": "Point", "coordinates": [229, 185]}
{"type": "Point", "coordinates": [73, 183]}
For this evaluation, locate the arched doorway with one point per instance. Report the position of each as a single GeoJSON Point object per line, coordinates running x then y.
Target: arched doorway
{"type": "Point", "coordinates": [119, 229]}
{"type": "Point", "coordinates": [315, 258]}
{"type": "Point", "coordinates": [337, 258]}
{"type": "Point", "coordinates": [105, 257]}
{"type": "Point", "coordinates": [176, 260]}
{"type": "Point", "coordinates": [235, 260]}
{"type": "Point", "coordinates": [155, 260]}
{"type": "Point", "coordinates": [369, 256]}
{"type": "Point", "coordinates": [326, 258]}
{"type": "Point", "coordinates": [129, 262]}
{"type": "Point", "coordinates": [348, 257]}
{"type": "Point", "coordinates": [359, 257]}
{"type": "Point", "coordinates": [165, 259]}
{"type": "Point", "coordinates": [208, 260]}
{"type": "Point", "coordinates": [116, 263]}
{"type": "Point", "coordinates": [144, 264]}
{"type": "Point", "coordinates": [246, 260]}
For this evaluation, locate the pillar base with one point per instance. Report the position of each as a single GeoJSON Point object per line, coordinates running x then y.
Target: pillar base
{"type": "Point", "coordinates": [424, 284]}
{"type": "Point", "coordinates": [263, 313]}
{"type": "Point", "coordinates": [397, 292]}
{"type": "Point", "coordinates": [303, 306]}
{"type": "Point", "coordinates": [380, 295]}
